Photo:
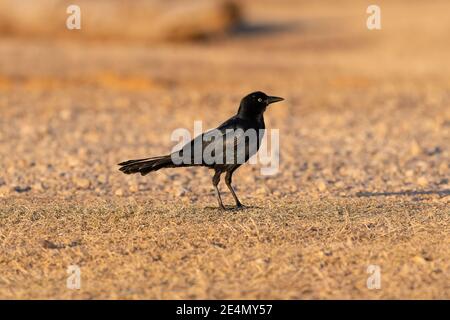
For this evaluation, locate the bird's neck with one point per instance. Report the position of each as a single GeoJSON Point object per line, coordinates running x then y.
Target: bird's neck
{"type": "Point", "coordinates": [245, 113]}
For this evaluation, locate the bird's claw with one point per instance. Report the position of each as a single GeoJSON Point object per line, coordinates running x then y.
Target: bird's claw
{"type": "Point", "coordinates": [239, 206]}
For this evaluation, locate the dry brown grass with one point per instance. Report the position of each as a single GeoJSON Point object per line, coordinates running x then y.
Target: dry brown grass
{"type": "Point", "coordinates": [364, 173]}
{"type": "Point", "coordinates": [293, 249]}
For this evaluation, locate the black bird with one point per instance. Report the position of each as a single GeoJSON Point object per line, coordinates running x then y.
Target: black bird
{"type": "Point", "coordinates": [232, 139]}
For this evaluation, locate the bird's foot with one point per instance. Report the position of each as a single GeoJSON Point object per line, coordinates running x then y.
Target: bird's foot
{"type": "Point", "coordinates": [240, 206]}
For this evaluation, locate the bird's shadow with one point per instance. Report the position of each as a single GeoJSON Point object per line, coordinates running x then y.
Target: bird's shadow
{"type": "Point", "coordinates": [231, 208]}
{"type": "Point", "coordinates": [246, 29]}
{"type": "Point", "coordinates": [441, 193]}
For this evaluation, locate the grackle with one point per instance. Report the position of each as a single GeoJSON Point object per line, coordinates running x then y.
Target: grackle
{"type": "Point", "coordinates": [230, 145]}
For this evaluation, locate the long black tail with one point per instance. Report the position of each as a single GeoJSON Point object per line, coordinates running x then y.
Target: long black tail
{"type": "Point", "coordinates": [144, 166]}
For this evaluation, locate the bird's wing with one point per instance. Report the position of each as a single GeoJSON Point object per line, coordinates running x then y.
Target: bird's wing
{"type": "Point", "coordinates": [230, 146]}
{"type": "Point", "coordinates": [192, 152]}
{"type": "Point", "coordinates": [216, 146]}
{"type": "Point", "coordinates": [227, 144]}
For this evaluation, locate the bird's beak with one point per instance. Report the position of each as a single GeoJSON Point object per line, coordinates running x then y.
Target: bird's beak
{"type": "Point", "coordinates": [271, 100]}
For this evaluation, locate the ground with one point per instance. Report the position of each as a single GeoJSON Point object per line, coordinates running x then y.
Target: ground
{"type": "Point", "coordinates": [364, 160]}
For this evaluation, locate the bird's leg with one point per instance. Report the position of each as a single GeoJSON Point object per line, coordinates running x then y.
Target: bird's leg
{"type": "Point", "coordinates": [228, 183]}
{"type": "Point", "coordinates": [215, 181]}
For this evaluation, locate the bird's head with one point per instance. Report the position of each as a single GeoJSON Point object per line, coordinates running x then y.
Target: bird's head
{"type": "Point", "coordinates": [255, 103]}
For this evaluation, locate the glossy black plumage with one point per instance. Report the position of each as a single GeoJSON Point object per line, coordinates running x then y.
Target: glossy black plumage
{"type": "Point", "coordinates": [231, 145]}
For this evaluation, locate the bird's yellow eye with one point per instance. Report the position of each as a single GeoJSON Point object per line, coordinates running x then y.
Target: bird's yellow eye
{"type": "Point", "coordinates": [259, 99]}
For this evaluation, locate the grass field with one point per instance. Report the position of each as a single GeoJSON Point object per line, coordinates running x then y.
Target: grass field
{"type": "Point", "coordinates": [363, 178]}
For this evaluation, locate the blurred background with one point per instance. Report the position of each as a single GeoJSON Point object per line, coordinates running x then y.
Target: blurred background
{"type": "Point", "coordinates": [366, 112]}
